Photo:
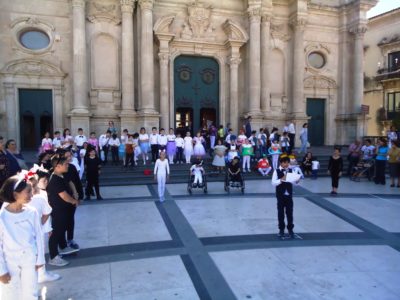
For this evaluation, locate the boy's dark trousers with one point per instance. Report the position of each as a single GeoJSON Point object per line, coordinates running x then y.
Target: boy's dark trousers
{"type": "Point", "coordinates": [114, 154]}
{"type": "Point", "coordinates": [179, 154]}
{"type": "Point", "coordinates": [92, 181]}
{"type": "Point", "coordinates": [105, 149]}
{"type": "Point", "coordinates": [57, 240]}
{"type": "Point", "coordinates": [154, 152]}
{"type": "Point", "coordinates": [285, 205]}
{"type": "Point", "coordinates": [129, 159]}
{"type": "Point", "coordinates": [71, 223]}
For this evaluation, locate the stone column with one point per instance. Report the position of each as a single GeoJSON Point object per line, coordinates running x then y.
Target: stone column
{"type": "Point", "coordinates": [127, 114]}
{"type": "Point", "coordinates": [11, 114]}
{"type": "Point", "coordinates": [147, 59]}
{"type": "Point", "coordinates": [298, 103]}
{"type": "Point", "coordinates": [234, 93]}
{"type": "Point", "coordinates": [164, 90]}
{"type": "Point", "coordinates": [254, 79]}
{"type": "Point", "coordinates": [79, 113]}
{"type": "Point", "coordinates": [358, 69]}
{"type": "Point", "coordinates": [265, 48]}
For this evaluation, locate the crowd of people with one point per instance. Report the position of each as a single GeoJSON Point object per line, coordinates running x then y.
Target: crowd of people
{"type": "Point", "coordinates": [46, 196]}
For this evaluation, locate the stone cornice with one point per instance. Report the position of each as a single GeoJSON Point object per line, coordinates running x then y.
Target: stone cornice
{"type": "Point", "coordinates": [78, 3]}
{"type": "Point", "coordinates": [254, 14]}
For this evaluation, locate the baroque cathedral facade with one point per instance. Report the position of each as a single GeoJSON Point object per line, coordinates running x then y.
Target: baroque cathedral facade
{"type": "Point", "coordinates": [82, 63]}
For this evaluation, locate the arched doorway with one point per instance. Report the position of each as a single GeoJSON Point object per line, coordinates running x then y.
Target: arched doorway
{"type": "Point", "coordinates": [196, 92]}
{"type": "Point", "coordinates": [36, 116]}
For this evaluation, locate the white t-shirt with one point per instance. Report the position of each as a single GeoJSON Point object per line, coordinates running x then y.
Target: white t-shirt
{"type": "Point", "coordinates": [153, 139]}
{"type": "Point", "coordinates": [79, 140]}
{"type": "Point", "coordinates": [368, 151]}
{"type": "Point", "coordinates": [20, 232]}
{"type": "Point", "coordinates": [57, 142]}
{"type": "Point", "coordinates": [171, 137]}
{"type": "Point", "coordinates": [162, 139]}
{"type": "Point", "coordinates": [179, 142]}
{"type": "Point", "coordinates": [114, 142]}
{"type": "Point", "coordinates": [41, 204]}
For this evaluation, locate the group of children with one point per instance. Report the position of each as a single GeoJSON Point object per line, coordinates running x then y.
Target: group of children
{"type": "Point", "coordinates": [38, 209]}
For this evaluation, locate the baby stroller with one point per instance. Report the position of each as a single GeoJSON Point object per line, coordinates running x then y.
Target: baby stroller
{"type": "Point", "coordinates": [234, 180]}
{"type": "Point", "coordinates": [363, 169]}
{"type": "Point", "coordinates": [191, 185]}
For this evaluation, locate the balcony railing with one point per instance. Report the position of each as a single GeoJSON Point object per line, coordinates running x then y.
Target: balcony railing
{"type": "Point", "coordinates": [388, 73]}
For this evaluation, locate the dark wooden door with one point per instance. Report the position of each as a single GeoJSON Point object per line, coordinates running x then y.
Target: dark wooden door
{"type": "Point", "coordinates": [316, 124]}
{"type": "Point", "coordinates": [36, 116]}
{"type": "Point", "coordinates": [196, 90]}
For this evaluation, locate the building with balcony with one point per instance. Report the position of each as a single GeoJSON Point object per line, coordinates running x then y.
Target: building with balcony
{"type": "Point", "coordinates": [382, 71]}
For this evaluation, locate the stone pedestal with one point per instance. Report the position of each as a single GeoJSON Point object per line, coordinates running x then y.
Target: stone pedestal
{"type": "Point", "coordinates": [148, 121]}
{"type": "Point", "coordinates": [80, 120]}
{"type": "Point", "coordinates": [350, 127]}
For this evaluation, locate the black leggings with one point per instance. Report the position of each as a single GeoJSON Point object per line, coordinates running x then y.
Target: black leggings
{"type": "Point", "coordinates": [335, 179]}
{"type": "Point", "coordinates": [380, 167]}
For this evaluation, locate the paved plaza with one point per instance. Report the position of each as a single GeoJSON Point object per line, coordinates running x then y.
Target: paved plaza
{"type": "Point", "coordinates": [220, 246]}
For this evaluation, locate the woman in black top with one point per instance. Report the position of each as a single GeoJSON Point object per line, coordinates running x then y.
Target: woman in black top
{"type": "Point", "coordinates": [306, 164]}
{"type": "Point", "coordinates": [92, 167]}
{"type": "Point", "coordinates": [335, 168]}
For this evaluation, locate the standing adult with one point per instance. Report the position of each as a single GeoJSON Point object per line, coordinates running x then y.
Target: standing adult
{"type": "Point", "coordinates": [392, 136]}
{"type": "Point", "coordinates": [247, 127]}
{"type": "Point", "coordinates": [111, 127]}
{"type": "Point", "coordinates": [213, 135]}
{"type": "Point", "coordinates": [304, 138]}
{"type": "Point", "coordinates": [292, 135]}
{"type": "Point", "coordinates": [4, 164]}
{"type": "Point", "coordinates": [354, 155]}
{"type": "Point", "coordinates": [394, 163]}
{"type": "Point", "coordinates": [335, 168]}
{"type": "Point", "coordinates": [104, 144]}
{"type": "Point", "coordinates": [380, 161]}
{"type": "Point", "coordinates": [15, 158]}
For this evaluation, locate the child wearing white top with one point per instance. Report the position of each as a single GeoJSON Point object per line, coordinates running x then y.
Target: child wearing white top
{"type": "Point", "coordinates": [171, 145]}
{"type": "Point", "coordinates": [162, 140]}
{"type": "Point", "coordinates": [197, 171]}
{"type": "Point", "coordinates": [188, 147]}
{"type": "Point", "coordinates": [40, 202]}
{"type": "Point", "coordinates": [144, 143]}
{"type": "Point", "coordinates": [161, 174]}
{"type": "Point", "coordinates": [56, 140]}
{"type": "Point", "coordinates": [114, 144]}
{"type": "Point", "coordinates": [179, 143]}
{"type": "Point", "coordinates": [47, 142]}
{"type": "Point", "coordinates": [21, 241]}
{"type": "Point", "coordinates": [154, 144]}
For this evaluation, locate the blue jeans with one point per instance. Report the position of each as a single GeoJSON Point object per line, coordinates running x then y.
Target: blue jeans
{"type": "Point", "coordinates": [303, 147]}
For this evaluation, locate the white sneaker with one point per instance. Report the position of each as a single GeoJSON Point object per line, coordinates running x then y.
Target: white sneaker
{"type": "Point", "coordinates": [48, 277]}
{"type": "Point", "coordinates": [58, 261]}
{"type": "Point", "coordinates": [67, 250]}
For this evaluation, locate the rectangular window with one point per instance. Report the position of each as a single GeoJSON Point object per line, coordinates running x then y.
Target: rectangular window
{"type": "Point", "coordinates": [393, 105]}
{"type": "Point", "coordinates": [394, 61]}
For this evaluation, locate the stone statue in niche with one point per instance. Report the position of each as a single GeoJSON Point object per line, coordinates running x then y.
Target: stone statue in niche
{"type": "Point", "coordinates": [198, 25]}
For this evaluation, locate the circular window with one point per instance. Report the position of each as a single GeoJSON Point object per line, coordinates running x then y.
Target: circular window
{"type": "Point", "coordinates": [316, 60]}
{"type": "Point", "coordinates": [34, 39]}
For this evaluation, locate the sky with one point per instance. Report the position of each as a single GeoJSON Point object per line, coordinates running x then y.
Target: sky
{"type": "Point", "coordinates": [383, 6]}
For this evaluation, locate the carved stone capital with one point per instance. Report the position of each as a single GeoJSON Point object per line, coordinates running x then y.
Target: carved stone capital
{"type": "Point", "coordinates": [146, 4]}
{"type": "Point", "coordinates": [127, 6]}
{"type": "Point", "coordinates": [254, 14]}
{"type": "Point", "coordinates": [358, 31]}
{"type": "Point", "coordinates": [234, 62]}
{"type": "Point", "coordinates": [298, 23]}
{"type": "Point", "coordinates": [266, 18]}
{"type": "Point", "coordinates": [78, 3]}
{"type": "Point", "coordinates": [164, 59]}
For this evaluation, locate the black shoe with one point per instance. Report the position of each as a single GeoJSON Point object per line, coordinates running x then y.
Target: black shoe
{"type": "Point", "coordinates": [281, 233]}
{"type": "Point", "coordinates": [99, 198]}
{"type": "Point", "coordinates": [87, 198]}
{"type": "Point", "coordinates": [291, 234]}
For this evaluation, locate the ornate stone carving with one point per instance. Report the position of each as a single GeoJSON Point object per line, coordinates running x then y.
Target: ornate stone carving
{"type": "Point", "coordinates": [146, 4]}
{"type": "Point", "coordinates": [254, 14]}
{"type": "Point", "coordinates": [278, 30]}
{"type": "Point", "coordinates": [163, 24]}
{"type": "Point", "coordinates": [319, 82]}
{"type": "Point", "coordinates": [79, 3]}
{"type": "Point", "coordinates": [235, 31]}
{"type": "Point", "coordinates": [106, 11]}
{"type": "Point", "coordinates": [317, 47]}
{"type": "Point", "coordinates": [127, 6]}
{"type": "Point", "coordinates": [234, 61]}
{"type": "Point", "coordinates": [358, 31]}
{"type": "Point", "coordinates": [298, 22]}
{"type": "Point", "coordinates": [198, 25]}
{"type": "Point", "coordinates": [32, 67]}
{"type": "Point", "coordinates": [164, 58]}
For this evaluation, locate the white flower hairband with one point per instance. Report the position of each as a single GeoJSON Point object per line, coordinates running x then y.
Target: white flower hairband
{"type": "Point", "coordinates": [25, 175]}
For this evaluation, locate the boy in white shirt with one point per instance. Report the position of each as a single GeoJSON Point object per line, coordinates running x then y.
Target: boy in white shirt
{"type": "Point", "coordinates": [154, 144]}
{"type": "Point", "coordinates": [79, 140]}
{"type": "Point", "coordinates": [57, 140]}
{"type": "Point", "coordinates": [180, 145]}
{"type": "Point", "coordinates": [162, 140]}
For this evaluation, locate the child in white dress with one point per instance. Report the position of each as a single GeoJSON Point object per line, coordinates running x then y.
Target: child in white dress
{"type": "Point", "coordinates": [188, 147]}
{"type": "Point", "coordinates": [171, 145]}
{"type": "Point", "coordinates": [161, 174]}
{"type": "Point", "coordinates": [198, 149]}
{"type": "Point", "coordinates": [21, 241]}
{"type": "Point", "coordinates": [47, 142]}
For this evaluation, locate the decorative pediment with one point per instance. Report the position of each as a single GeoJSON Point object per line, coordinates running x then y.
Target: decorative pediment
{"type": "Point", "coordinates": [319, 82]}
{"type": "Point", "coordinates": [163, 24]}
{"type": "Point", "coordinates": [103, 12]}
{"type": "Point", "coordinates": [234, 31]}
{"type": "Point", "coordinates": [198, 24]}
{"type": "Point", "coordinates": [32, 67]}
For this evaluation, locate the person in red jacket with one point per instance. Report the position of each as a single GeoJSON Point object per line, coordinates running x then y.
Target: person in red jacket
{"type": "Point", "coordinates": [263, 166]}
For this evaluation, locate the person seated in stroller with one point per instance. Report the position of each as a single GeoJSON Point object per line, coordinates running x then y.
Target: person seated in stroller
{"type": "Point", "coordinates": [197, 172]}
{"type": "Point", "coordinates": [234, 172]}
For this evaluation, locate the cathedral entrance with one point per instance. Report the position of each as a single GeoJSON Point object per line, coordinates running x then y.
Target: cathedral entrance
{"type": "Point", "coordinates": [196, 90]}
{"type": "Point", "coordinates": [316, 124]}
{"type": "Point", "coordinates": [36, 116]}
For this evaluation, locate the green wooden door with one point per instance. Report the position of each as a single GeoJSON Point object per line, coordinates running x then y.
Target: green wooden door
{"type": "Point", "coordinates": [196, 90]}
{"type": "Point", "coordinates": [316, 124]}
{"type": "Point", "coordinates": [36, 116]}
